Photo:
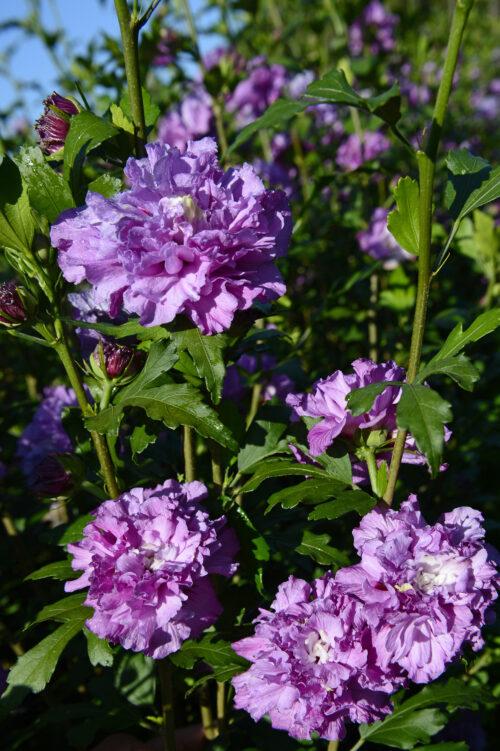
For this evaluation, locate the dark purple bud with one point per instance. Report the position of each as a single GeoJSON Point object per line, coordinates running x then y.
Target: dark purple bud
{"type": "Point", "coordinates": [12, 310]}
{"type": "Point", "coordinates": [50, 478]}
{"type": "Point", "coordinates": [52, 127]}
{"type": "Point", "coordinates": [117, 358]}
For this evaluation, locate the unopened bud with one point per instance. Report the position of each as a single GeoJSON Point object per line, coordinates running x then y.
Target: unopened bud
{"type": "Point", "coordinates": [53, 125]}
{"type": "Point", "coordinates": [13, 307]}
{"type": "Point", "coordinates": [115, 359]}
{"type": "Point", "coordinates": [50, 477]}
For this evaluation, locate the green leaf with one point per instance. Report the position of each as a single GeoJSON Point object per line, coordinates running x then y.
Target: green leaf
{"type": "Point", "coordinates": [48, 192]}
{"type": "Point", "coordinates": [402, 222]}
{"type": "Point", "coordinates": [86, 132]}
{"type": "Point", "coordinates": [280, 468]}
{"type": "Point", "coordinates": [99, 651]}
{"type": "Point", "coordinates": [459, 368]}
{"type": "Point", "coordinates": [424, 413]}
{"type": "Point", "coordinates": [140, 439]}
{"type": "Point", "coordinates": [334, 87]}
{"type": "Point", "coordinates": [34, 669]}
{"type": "Point", "coordinates": [59, 570]}
{"type": "Point", "coordinates": [124, 330]}
{"type": "Point", "coordinates": [407, 730]}
{"type": "Point", "coordinates": [74, 532]}
{"type": "Point", "coordinates": [17, 228]}
{"type": "Point", "coordinates": [135, 678]}
{"type": "Point", "coordinates": [361, 400]}
{"type": "Point", "coordinates": [67, 610]}
{"type": "Point", "coordinates": [458, 339]}
{"type": "Point", "coordinates": [413, 721]}
{"type": "Point", "coordinates": [338, 466]}
{"type": "Point", "coordinates": [277, 115]}
{"type": "Point", "coordinates": [317, 547]}
{"type": "Point", "coordinates": [151, 110]}
{"type": "Point", "coordinates": [106, 185]}
{"type": "Point", "coordinates": [488, 191]}
{"type": "Point", "coordinates": [207, 353]}
{"type": "Point", "coordinates": [350, 500]}
{"type": "Point", "coordinates": [119, 118]}
{"type": "Point", "coordinates": [451, 746]}
{"type": "Point", "coordinates": [264, 438]}
{"type": "Point", "coordinates": [218, 654]}
{"type": "Point", "coordinates": [314, 490]}
{"type": "Point", "coordinates": [468, 174]}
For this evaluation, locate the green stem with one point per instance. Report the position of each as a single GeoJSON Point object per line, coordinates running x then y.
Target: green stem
{"type": "Point", "coordinates": [129, 29]}
{"type": "Point", "coordinates": [357, 745]}
{"type": "Point", "coordinates": [426, 170]}
{"type": "Point", "coordinates": [189, 454]}
{"type": "Point", "coordinates": [217, 474]}
{"type": "Point", "coordinates": [333, 746]}
{"type": "Point", "coordinates": [371, 463]}
{"type": "Point", "coordinates": [99, 441]}
{"type": "Point", "coordinates": [167, 704]}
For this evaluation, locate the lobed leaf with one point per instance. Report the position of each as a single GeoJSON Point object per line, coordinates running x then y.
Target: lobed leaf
{"type": "Point", "coordinates": [402, 221]}
{"type": "Point", "coordinates": [48, 191]}
{"type": "Point", "coordinates": [318, 548]}
{"type": "Point", "coordinates": [17, 228]}
{"type": "Point", "coordinates": [424, 413]}
{"type": "Point", "coordinates": [350, 500]}
{"type": "Point", "coordinates": [207, 353]}
{"type": "Point", "coordinates": [459, 368]}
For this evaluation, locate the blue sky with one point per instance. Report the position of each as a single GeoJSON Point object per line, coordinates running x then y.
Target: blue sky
{"type": "Point", "coordinates": [81, 19]}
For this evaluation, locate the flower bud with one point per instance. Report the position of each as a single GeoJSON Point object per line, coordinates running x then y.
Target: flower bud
{"type": "Point", "coordinates": [12, 304]}
{"type": "Point", "coordinates": [50, 477]}
{"type": "Point", "coordinates": [52, 127]}
{"type": "Point", "coordinates": [114, 359]}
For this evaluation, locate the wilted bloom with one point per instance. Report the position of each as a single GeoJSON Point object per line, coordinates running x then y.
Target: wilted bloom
{"type": "Point", "coordinates": [313, 666]}
{"type": "Point", "coordinates": [53, 126]}
{"type": "Point", "coordinates": [12, 308]}
{"type": "Point", "coordinates": [146, 559]}
{"type": "Point", "coordinates": [427, 589]}
{"type": "Point", "coordinates": [186, 238]}
{"type": "Point", "coordinates": [374, 27]}
{"type": "Point", "coordinates": [379, 243]}
{"type": "Point", "coordinates": [44, 441]}
{"type": "Point", "coordinates": [355, 151]}
{"type": "Point", "coordinates": [192, 119]}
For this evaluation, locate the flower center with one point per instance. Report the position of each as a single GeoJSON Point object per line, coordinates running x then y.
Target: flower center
{"type": "Point", "coordinates": [318, 647]}
{"type": "Point", "coordinates": [189, 206]}
{"type": "Point", "coordinates": [156, 556]}
{"type": "Point", "coordinates": [437, 571]}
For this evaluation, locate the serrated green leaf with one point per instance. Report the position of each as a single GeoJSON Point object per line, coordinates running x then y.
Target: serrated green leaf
{"type": "Point", "coordinates": [459, 368]}
{"type": "Point", "coordinates": [468, 177]}
{"type": "Point", "coordinates": [99, 651]}
{"type": "Point", "coordinates": [106, 185]}
{"type": "Point", "coordinates": [424, 413]}
{"type": "Point", "coordinates": [140, 439]}
{"type": "Point", "coordinates": [86, 132]}
{"type": "Point", "coordinates": [207, 353]}
{"type": "Point", "coordinates": [350, 500]}
{"type": "Point", "coordinates": [151, 110]}
{"type": "Point", "coordinates": [216, 652]}
{"type": "Point", "coordinates": [405, 731]}
{"type": "Point", "coordinates": [48, 192]}
{"type": "Point", "coordinates": [70, 608]}
{"type": "Point", "coordinates": [402, 221]}
{"type": "Point", "coordinates": [313, 490]}
{"type": "Point", "coordinates": [59, 570]}
{"type": "Point", "coordinates": [35, 668]}
{"type": "Point", "coordinates": [484, 324]}
{"type": "Point", "coordinates": [361, 400]}
{"type": "Point", "coordinates": [17, 228]}
{"type": "Point", "coordinates": [409, 725]}
{"type": "Point", "coordinates": [264, 438]}
{"type": "Point", "coordinates": [339, 466]}
{"type": "Point", "coordinates": [318, 548]}
{"type": "Point", "coordinates": [119, 118]}
{"type": "Point", "coordinates": [124, 330]}
{"type": "Point", "coordinates": [280, 468]}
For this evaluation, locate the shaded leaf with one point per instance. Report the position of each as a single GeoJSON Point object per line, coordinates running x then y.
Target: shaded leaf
{"type": "Point", "coordinates": [86, 132]}
{"type": "Point", "coordinates": [277, 115]}
{"type": "Point", "coordinates": [263, 438]}
{"type": "Point", "coordinates": [16, 223]}
{"type": "Point", "coordinates": [59, 570]}
{"type": "Point", "coordinates": [459, 368]}
{"type": "Point", "coordinates": [74, 532]}
{"type": "Point", "coordinates": [70, 608]}
{"type": "Point", "coordinates": [424, 413]}
{"type": "Point", "coordinates": [318, 548]}
{"type": "Point", "coordinates": [99, 651]}
{"type": "Point", "coordinates": [207, 353]}
{"type": "Point", "coordinates": [361, 400]}
{"type": "Point", "coordinates": [280, 468]}
{"type": "Point", "coordinates": [402, 221]}
{"type": "Point", "coordinates": [350, 500]}
{"type": "Point", "coordinates": [314, 490]}
{"type": "Point", "coordinates": [484, 324]}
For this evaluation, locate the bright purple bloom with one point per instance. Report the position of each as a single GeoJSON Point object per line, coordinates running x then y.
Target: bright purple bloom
{"type": "Point", "coordinates": [146, 559]}
{"type": "Point", "coordinates": [44, 440]}
{"type": "Point", "coordinates": [187, 237]}
{"type": "Point", "coordinates": [378, 242]}
{"type": "Point", "coordinates": [314, 665]}
{"type": "Point", "coordinates": [53, 125]}
{"type": "Point", "coordinates": [354, 152]}
{"type": "Point", "coordinates": [192, 119]}
{"type": "Point", "coordinates": [426, 589]}
{"type": "Point", "coordinates": [252, 96]}
{"type": "Point", "coordinates": [327, 401]}
{"type": "Point", "coordinates": [12, 310]}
